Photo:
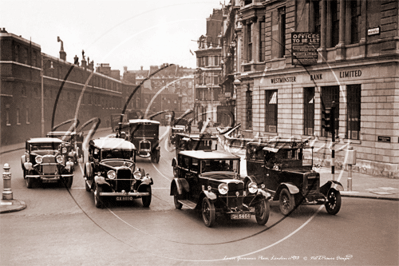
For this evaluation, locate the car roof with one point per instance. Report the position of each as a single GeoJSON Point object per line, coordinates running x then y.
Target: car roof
{"type": "Point", "coordinates": [60, 133]}
{"type": "Point", "coordinates": [196, 136]}
{"type": "Point", "coordinates": [143, 121]}
{"type": "Point", "coordinates": [276, 145]}
{"type": "Point", "coordinates": [113, 143]}
{"type": "Point", "coordinates": [44, 140]}
{"type": "Point", "coordinates": [208, 155]}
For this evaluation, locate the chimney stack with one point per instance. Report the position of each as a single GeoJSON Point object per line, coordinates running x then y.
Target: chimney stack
{"type": "Point", "coordinates": [62, 52]}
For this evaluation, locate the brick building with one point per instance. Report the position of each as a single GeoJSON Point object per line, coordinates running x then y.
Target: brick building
{"type": "Point", "coordinates": [295, 57]}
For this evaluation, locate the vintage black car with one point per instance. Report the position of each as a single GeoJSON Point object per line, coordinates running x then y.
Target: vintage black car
{"type": "Point", "coordinates": [73, 143]}
{"type": "Point", "coordinates": [144, 134]}
{"type": "Point", "coordinates": [209, 181]}
{"type": "Point", "coordinates": [45, 160]}
{"type": "Point", "coordinates": [285, 168]}
{"type": "Point", "coordinates": [111, 172]}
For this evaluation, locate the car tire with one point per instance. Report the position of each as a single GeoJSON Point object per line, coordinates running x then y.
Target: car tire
{"type": "Point", "coordinates": [286, 201]}
{"type": "Point", "coordinates": [147, 199]}
{"type": "Point", "coordinates": [25, 172]}
{"type": "Point", "coordinates": [98, 200]}
{"type": "Point", "coordinates": [29, 182]}
{"type": "Point", "coordinates": [333, 204]}
{"type": "Point", "coordinates": [175, 172]}
{"type": "Point", "coordinates": [208, 212]}
{"type": "Point", "coordinates": [262, 212]}
{"type": "Point", "coordinates": [87, 186]}
{"type": "Point", "coordinates": [178, 205]}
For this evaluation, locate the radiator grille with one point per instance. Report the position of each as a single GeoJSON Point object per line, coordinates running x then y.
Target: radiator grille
{"type": "Point", "coordinates": [49, 169]}
{"type": "Point", "coordinates": [123, 184]}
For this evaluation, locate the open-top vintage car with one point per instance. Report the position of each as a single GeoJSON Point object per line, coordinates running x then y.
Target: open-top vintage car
{"type": "Point", "coordinates": [111, 172]}
{"type": "Point", "coordinates": [144, 134]}
{"type": "Point", "coordinates": [285, 168]}
{"type": "Point", "coordinates": [45, 160]}
{"type": "Point", "coordinates": [209, 181]}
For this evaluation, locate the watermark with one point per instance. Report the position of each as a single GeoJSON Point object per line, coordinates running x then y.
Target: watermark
{"type": "Point", "coordinates": [320, 258]}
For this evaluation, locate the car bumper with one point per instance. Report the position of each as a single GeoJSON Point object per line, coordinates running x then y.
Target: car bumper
{"type": "Point", "coordinates": [125, 194]}
{"type": "Point", "coordinates": [49, 178]}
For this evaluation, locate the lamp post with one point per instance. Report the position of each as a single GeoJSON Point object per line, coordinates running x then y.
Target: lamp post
{"type": "Point", "coordinates": [236, 84]}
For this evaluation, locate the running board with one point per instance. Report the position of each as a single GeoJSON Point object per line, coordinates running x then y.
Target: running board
{"type": "Point", "coordinates": [188, 203]}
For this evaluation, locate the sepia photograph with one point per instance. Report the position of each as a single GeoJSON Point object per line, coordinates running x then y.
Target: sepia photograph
{"type": "Point", "coordinates": [199, 132]}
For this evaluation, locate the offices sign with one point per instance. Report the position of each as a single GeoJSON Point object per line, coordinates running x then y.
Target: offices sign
{"type": "Point", "coordinates": [304, 48]}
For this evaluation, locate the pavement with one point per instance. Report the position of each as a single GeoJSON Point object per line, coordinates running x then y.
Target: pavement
{"type": "Point", "coordinates": [360, 186]}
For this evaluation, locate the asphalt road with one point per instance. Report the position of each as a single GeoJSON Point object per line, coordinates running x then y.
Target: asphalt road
{"type": "Point", "coordinates": [61, 227]}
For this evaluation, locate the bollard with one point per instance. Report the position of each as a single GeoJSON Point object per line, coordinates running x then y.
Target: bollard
{"type": "Point", "coordinates": [349, 177]}
{"type": "Point", "coordinates": [7, 192]}
{"type": "Point", "coordinates": [351, 160]}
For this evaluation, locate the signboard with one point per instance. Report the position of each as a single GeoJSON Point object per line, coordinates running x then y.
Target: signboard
{"type": "Point", "coordinates": [384, 139]}
{"type": "Point", "coordinates": [304, 48]}
{"type": "Point", "coordinates": [373, 31]}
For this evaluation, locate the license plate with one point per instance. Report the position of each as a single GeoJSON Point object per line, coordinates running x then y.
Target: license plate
{"type": "Point", "coordinates": [49, 180]}
{"type": "Point", "coordinates": [238, 216]}
{"type": "Point", "coordinates": [124, 198]}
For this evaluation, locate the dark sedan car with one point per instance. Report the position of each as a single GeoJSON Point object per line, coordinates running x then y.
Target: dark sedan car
{"type": "Point", "coordinates": [285, 168]}
{"type": "Point", "coordinates": [111, 172]}
{"type": "Point", "coordinates": [209, 181]}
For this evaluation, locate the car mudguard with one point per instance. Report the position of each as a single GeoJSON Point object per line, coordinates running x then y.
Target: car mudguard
{"type": "Point", "coordinates": [23, 160]}
{"type": "Point", "coordinates": [291, 188]}
{"type": "Point", "coordinates": [331, 184]}
{"type": "Point", "coordinates": [146, 181]}
{"type": "Point", "coordinates": [181, 185]}
{"type": "Point", "coordinates": [174, 162]}
{"type": "Point", "coordinates": [210, 195]}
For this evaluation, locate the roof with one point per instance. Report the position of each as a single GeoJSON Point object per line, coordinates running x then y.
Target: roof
{"type": "Point", "coordinates": [113, 143]}
{"type": "Point", "coordinates": [142, 121]}
{"type": "Point", "coordinates": [44, 140]}
{"type": "Point", "coordinates": [276, 145]}
{"type": "Point", "coordinates": [60, 133]}
{"type": "Point", "coordinates": [197, 136]}
{"type": "Point", "coordinates": [208, 155]}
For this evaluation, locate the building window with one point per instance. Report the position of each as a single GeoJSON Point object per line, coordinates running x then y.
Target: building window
{"type": "Point", "coordinates": [18, 113]}
{"type": "Point", "coordinates": [281, 26]}
{"type": "Point", "coordinates": [271, 111]}
{"type": "Point", "coordinates": [23, 91]}
{"type": "Point", "coordinates": [328, 95]}
{"type": "Point", "coordinates": [249, 41]}
{"type": "Point", "coordinates": [308, 108]}
{"type": "Point", "coordinates": [249, 109]}
{"type": "Point", "coordinates": [27, 116]}
{"type": "Point", "coordinates": [316, 16]}
{"type": "Point", "coordinates": [334, 22]}
{"type": "Point", "coordinates": [262, 42]}
{"type": "Point", "coordinates": [353, 106]}
{"type": "Point", "coordinates": [16, 53]}
{"type": "Point", "coordinates": [355, 7]}
{"type": "Point", "coordinates": [8, 117]}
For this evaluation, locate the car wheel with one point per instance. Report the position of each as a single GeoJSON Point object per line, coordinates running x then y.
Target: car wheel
{"type": "Point", "coordinates": [262, 211]}
{"type": "Point", "coordinates": [175, 172]}
{"type": "Point", "coordinates": [147, 199]}
{"type": "Point", "coordinates": [29, 182]}
{"type": "Point", "coordinates": [98, 200]}
{"type": "Point", "coordinates": [333, 203]}
{"type": "Point", "coordinates": [178, 205]}
{"type": "Point", "coordinates": [286, 201]}
{"type": "Point", "coordinates": [68, 182]}
{"type": "Point", "coordinates": [25, 172]}
{"type": "Point", "coordinates": [208, 212]}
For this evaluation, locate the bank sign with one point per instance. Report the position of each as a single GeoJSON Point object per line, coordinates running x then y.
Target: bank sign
{"type": "Point", "coordinates": [304, 48]}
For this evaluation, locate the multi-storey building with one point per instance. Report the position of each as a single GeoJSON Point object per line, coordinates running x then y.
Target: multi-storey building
{"type": "Point", "coordinates": [169, 89]}
{"type": "Point", "coordinates": [296, 57]}
{"type": "Point", "coordinates": [208, 92]}
{"type": "Point", "coordinates": [35, 87]}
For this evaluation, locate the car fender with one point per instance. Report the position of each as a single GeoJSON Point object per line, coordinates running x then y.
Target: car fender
{"type": "Point", "coordinates": [181, 185]}
{"type": "Point", "coordinates": [265, 194]}
{"type": "Point", "coordinates": [174, 162]}
{"type": "Point", "coordinates": [100, 180]}
{"type": "Point", "coordinates": [23, 160]}
{"type": "Point", "coordinates": [331, 184]}
{"type": "Point", "coordinates": [291, 188]}
{"type": "Point", "coordinates": [210, 195]}
{"type": "Point", "coordinates": [146, 181]}
{"type": "Point", "coordinates": [142, 187]}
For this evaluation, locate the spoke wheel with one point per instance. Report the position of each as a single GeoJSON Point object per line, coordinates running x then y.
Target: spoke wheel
{"type": "Point", "coordinates": [208, 212]}
{"type": "Point", "coordinates": [178, 205]}
{"type": "Point", "coordinates": [333, 204]}
{"type": "Point", "coordinates": [98, 200]}
{"type": "Point", "coordinates": [147, 199]}
{"type": "Point", "coordinates": [262, 212]}
{"type": "Point", "coordinates": [286, 201]}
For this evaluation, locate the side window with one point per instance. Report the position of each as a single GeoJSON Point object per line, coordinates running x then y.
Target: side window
{"type": "Point", "coordinates": [194, 165]}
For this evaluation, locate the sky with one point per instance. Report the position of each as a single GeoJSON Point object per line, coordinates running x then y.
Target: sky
{"type": "Point", "coordinates": [122, 33]}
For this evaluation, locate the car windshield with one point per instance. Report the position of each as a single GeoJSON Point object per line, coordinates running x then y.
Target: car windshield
{"type": "Point", "coordinates": [44, 146]}
{"type": "Point", "coordinates": [144, 130]}
{"type": "Point", "coordinates": [220, 165]}
{"type": "Point", "coordinates": [116, 153]}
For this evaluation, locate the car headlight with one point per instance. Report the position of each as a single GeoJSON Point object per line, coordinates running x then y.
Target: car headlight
{"type": "Point", "coordinates": [64, 150]}
{"type": "Point", "coordinates": [111, 174]}
{"type": "Point", "coordinates": [223, 188]}
{"type": "Point", "coordinates": [137, 175]}
{"type": "Point", "coordinates": [39, 159]}
{"type": "Point", "coordinates": [59, 159]}
{"type": "Point", "coordinates": [252, 187]}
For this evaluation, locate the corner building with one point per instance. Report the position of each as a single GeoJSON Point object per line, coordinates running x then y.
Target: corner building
{"type": "Point", "coordinates": [352, 61]}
